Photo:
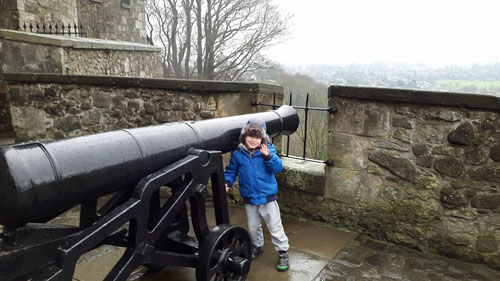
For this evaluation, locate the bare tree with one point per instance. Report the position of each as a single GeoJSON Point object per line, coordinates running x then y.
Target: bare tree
{"type": "Point", "coordinates": [214, 39]}
{"type": "Point", "coordinates": [171, 25]}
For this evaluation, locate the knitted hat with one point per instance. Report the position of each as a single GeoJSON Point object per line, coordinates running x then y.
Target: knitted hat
{"type": "Point", "coordinates": [254, 128]}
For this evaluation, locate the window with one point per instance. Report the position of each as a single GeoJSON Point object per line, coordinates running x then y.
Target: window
{"type": "Point", "coordinates": [126, 4]}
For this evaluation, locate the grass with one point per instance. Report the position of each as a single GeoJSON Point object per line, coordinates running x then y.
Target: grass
{"type": "Point", "coordinates": [465, 83]}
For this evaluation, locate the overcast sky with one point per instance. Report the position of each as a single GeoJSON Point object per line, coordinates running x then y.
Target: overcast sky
{"type": "Point", "coordinates": [433, 32]}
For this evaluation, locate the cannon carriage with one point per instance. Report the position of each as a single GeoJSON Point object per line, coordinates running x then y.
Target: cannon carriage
{"type": "Point", "coordinates": [39, 181]}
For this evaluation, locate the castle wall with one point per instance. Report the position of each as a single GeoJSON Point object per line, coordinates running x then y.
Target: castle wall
{"type": "Point", "coordinates": [123, 20]}
{"type": "Point", "coordinates": [37, 11]}
{"type": "Point", "coordinates": [43, 53]}
{"type": "Point", "coordinates": [47, 107]}
{"type": "Point", "coordinates": [6, 128]}
{"type": "Point", "coordinates": [113, 20]}
{"type": "Point", "coordinates": [45, 11]}
{"type": "Point", "coordinates": [9, 14]}
{"type": "Point", "coordinates": [421, 169]}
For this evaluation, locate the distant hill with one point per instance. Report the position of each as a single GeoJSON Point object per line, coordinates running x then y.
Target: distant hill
{"type": "Point", "coordinates": [298, 84]}
{"type": "Point", "coordinates": [468, 79]}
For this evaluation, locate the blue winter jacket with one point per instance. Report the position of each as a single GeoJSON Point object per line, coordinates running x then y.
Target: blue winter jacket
{"type": "Point", "coordinates": [256, 175]}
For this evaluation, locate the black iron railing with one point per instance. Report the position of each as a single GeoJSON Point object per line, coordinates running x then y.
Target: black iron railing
{"type": "Point", "coordinates": [57, 29]}
{"type": "Point", "coordinates": [306, 109]}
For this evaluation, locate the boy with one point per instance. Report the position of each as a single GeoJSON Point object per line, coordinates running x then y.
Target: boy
{"type": "Point", "coordinates": [255, 162]}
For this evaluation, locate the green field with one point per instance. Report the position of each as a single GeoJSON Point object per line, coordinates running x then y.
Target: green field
{"type": "Point", "coordinates": [465, 83]}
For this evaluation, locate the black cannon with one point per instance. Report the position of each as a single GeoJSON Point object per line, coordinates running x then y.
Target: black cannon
{"type": "Point", "coordinates": [39, 181]}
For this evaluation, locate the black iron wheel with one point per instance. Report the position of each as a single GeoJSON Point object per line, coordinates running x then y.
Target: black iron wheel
{"type": "Point", "coordinates": [224, 254]}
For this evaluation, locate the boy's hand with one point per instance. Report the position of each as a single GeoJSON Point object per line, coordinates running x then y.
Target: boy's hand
{"type": "Point", "coordinates": [227, 188]}
{"type": "Point", "coordinates": [264, 150]}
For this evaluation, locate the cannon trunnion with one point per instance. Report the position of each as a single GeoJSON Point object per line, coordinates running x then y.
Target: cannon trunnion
{"type": "Point", "coordinates": [39, 181]}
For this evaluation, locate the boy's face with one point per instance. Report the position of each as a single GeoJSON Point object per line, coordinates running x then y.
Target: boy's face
{"type": "Point", "coordinates": [252, 142]}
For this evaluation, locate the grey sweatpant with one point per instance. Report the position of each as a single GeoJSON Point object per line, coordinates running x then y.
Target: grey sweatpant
{"type": "Point", "coordinates": [270, 212]}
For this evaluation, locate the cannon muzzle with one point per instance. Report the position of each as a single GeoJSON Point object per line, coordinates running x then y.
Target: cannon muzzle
{"type": "Point", "coordinates": [38, 181]}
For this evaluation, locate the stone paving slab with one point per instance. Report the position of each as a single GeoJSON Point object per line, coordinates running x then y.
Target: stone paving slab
{"type": "Point", "coordinates": [312, 246]}
{"type": "Point", "coordinates": [364, 259]}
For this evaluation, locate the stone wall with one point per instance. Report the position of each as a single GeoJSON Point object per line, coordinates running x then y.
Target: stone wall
{"type": "Point", "coordinates": [5, 120]}
{"type": "Point", "coordinates": [45, 11]}
{"type": "Point", "coordinates": [9, 14]}
{"type": "Point", "coordinates": [42, 53]}
{"type": "Point", "coordinates": [113, 62]}
{"type": "Point", "coordinates": [123, 20]}
{"type": "Point", "coordinates": [47, 107]}
{"type": "Point", "coordinates": [421, 169]}
{"type": "Point", "coordinates": [113, 20]}
{"type": "Point", "coordinates": [14, 13]}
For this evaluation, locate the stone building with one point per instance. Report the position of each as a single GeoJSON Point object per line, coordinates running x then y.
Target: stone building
{"type": "Point", "coordinates": [110, 38]}
{"type": "Point", "coordinates": [112, 20]}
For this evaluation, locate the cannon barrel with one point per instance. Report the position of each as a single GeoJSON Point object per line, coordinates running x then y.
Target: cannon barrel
{"type": "Point", "coordinates": [41, 180]}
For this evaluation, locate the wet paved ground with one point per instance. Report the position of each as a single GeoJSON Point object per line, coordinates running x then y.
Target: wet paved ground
{"type": "Point", "coordinates": [312, 247]}
{"type": "Point", "coordinates": [318, 253]}
{"type": "Point", "coordinates": [365, 259]}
